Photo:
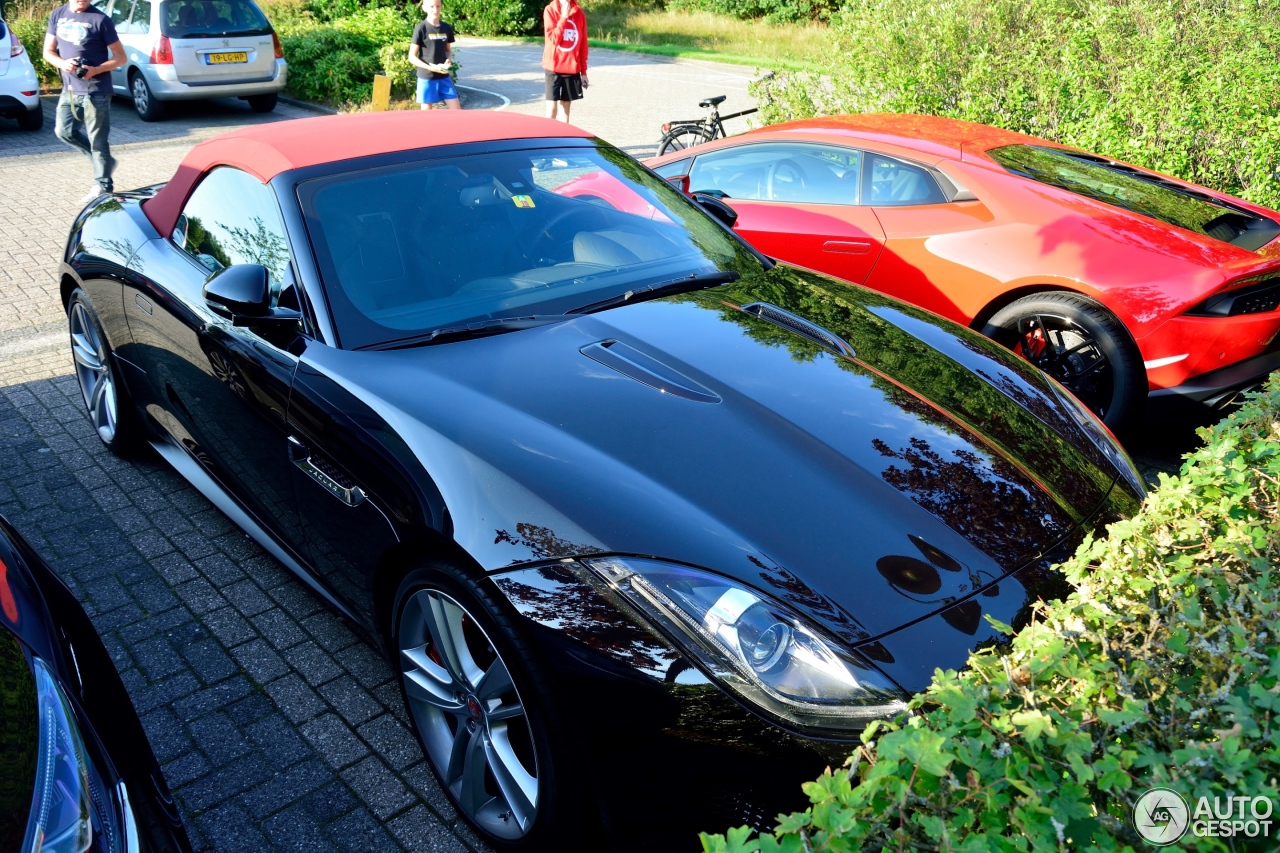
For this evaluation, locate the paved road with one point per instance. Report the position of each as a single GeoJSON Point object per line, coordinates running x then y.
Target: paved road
{"type": "Point", "coordinates": [279, 726]}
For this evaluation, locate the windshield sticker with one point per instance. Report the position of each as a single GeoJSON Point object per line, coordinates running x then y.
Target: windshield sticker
{"type": "Point", "coordinates": [522, 201]}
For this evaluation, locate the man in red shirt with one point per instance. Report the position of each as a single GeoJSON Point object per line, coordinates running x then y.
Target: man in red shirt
{"type": "Point", "coordinates": [564, 54]}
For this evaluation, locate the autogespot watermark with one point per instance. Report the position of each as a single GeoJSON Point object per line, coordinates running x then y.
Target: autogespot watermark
{"type": "Point", "coordinates": [1162, 817]}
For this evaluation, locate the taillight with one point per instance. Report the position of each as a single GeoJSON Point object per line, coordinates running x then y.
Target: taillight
{"type": "Point", "coordinates": [162, 52]}
{"type": "Point", "coordinates": [15, 46]}
{"type": "Point", "coordinates": [279, 47]}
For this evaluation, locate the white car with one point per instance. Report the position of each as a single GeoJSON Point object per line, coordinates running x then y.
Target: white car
{"type": "Point", "coordinates": [192, 49]}
{"type": "Point", "coordinates": [19, 88]}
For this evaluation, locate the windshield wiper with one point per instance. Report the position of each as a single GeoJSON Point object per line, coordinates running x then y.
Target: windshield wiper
{"type": "Point", "coordinates": [684, 284]}
{"type": "Point", "coordinates": [479, 329]}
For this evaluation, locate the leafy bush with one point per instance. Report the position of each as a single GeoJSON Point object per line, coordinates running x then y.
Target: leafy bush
{"type": "Point", "coordinates": [775, 11]}
{"type": "Point", "coordinates": [1186, 87]}
{"type": "Point", "coordinates": [30, 23]}
{"type": "Point", "coordinates": [1162, 668]}
{"type": "Point", "coordinates": [494, 17]}
{"type": "Point", "coordinates": [335, 61]}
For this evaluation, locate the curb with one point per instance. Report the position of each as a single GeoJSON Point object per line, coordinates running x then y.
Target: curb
{"type": "Point", "coordinates": [307, 105]}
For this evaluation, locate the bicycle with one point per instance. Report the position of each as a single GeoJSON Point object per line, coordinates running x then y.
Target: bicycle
{"type": "Point", "coordinates": [678, 135]}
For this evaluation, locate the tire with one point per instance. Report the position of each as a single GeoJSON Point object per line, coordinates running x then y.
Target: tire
{"type": "Point", "coordinates": [32, 119]}
{"type": "Point", "coordinates": [149, 109]}
{"type": "Point", "coordinates": [263, 103]}
{"type": "Point", "coordinates": [506, 722]}
{"type": "Point", "coordinates": [683, 136]}
{"type": "Point", "coordinates": [105, 397]}
{"type": "Point", "coordinates": [1082, 345]}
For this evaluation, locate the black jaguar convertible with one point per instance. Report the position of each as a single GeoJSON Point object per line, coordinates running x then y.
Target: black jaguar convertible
{"type": "Point", "coordinates": [652, 525]}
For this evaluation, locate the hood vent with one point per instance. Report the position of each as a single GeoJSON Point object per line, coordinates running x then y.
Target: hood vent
{"type": "Point", "coordinates": [633, 364]}
{"type": "Point", "coordinates": [820, 336]}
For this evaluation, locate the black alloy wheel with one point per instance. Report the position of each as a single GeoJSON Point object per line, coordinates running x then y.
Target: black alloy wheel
{"type": "Point", "coordinates": [478, 702]}
{"type": "Point", "coordinates": [1083, 346]}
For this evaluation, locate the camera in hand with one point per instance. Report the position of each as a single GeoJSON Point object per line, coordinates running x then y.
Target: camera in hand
{"type": "Point", "coordinates": [78, 67]}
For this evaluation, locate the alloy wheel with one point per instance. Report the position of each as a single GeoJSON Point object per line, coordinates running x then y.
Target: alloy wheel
{"type": "Point", "coordinates": [141, 96]}
{"type": "Point", "coordinates": [93, 372]}
{"type": "Point", "coordinates": [1067, 351]}
{"type": "Point", "coordinates": [473, 725]}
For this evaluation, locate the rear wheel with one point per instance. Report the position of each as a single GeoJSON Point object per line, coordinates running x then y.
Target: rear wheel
{"type": "Point", "coordinates": [263, 103]}
{"type": "Point", "coordinates": [1082, 345]}
{"type": "Point", "coordinates": [149, 109]}
{"type": "Point", "coordinates": [32, 119]}
{"type": "Point", "coordinates": [682, 137]}
{"type": "Point", "coordinates": [105, 399]}
{"type": "Point", "coordinates": [478, 701]}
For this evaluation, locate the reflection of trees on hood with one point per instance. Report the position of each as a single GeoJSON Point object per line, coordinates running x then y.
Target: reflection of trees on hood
{"type": "Point", "coordinates": [978, 497]}
{"type": "Point", "coordinates": [583, 614]}
{"type": "Point", "coordinates": [542, 542]}
{"type": "Point", "coordinates": [898, 360]}
{"type": "Point", "coordinates": [260, 246]}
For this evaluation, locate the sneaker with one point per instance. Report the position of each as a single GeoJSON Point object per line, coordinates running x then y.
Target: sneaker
{"type": "Point", "coordinates": [91, 194]}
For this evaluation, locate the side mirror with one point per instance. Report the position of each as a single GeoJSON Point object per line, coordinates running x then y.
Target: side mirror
{"type": "Point", "coordinates": [242, 294]}
{"type": "Point", "coordinates": [717, 208]}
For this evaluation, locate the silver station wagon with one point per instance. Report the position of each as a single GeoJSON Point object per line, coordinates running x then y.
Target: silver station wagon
{"type": "Point", "coordinates": [190, 49]}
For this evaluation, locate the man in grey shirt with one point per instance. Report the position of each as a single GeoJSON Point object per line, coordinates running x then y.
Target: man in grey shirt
{"type": "Point", "coordinates": [81, 42]}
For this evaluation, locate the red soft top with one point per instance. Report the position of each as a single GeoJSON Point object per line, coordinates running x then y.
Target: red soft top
{"type": "Point", "coordinates": [266, 150]}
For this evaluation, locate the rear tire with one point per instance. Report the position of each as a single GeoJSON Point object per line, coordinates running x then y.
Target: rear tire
{"type": "Point", "coordinates": [105, 397]}
{"type": "Point", "coordinates": [149, 109]}
{"type": "Point", "coordinates": [32, 119]}
{"type": "Point", "coordinates": [682, 137]}
{"type": "Point", "coordinates": [263, 103]}
{"type": "Point", "coordinates": [1082, 345]}
{"type": "Point", "coordinates": [481, 705]}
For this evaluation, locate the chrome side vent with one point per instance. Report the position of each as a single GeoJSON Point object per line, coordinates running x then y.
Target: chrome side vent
{"type": "Point", "coordinates": [820, 336]}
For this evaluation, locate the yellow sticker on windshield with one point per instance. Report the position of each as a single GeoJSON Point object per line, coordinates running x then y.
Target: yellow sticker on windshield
{"type": "Point", "coordinates": [522, 201]}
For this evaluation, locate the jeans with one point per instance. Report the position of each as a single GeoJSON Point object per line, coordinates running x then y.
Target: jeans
{"type": "Point", "coordinates": [83, 123]}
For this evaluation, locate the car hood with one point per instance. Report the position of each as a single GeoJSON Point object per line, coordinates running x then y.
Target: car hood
{"type": "Point", "coordinates": [870, 490]}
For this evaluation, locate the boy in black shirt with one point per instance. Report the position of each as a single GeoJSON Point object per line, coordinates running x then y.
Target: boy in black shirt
{"type": "Point", "coordinates": [433, 56]}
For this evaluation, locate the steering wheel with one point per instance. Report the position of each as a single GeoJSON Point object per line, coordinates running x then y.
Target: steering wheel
{"type": "Point", "coordinates": [783, 175]}
{"type": "Point", "coordinates": [547, 240]}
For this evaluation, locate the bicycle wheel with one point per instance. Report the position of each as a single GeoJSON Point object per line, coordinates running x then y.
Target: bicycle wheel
{"type": "Point", "coordinates": [683, 136]}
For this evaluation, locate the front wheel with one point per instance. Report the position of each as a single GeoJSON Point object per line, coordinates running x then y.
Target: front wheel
{"type": "Point", "coordinates": [1082, 345]}
{"type": "Point", "coordinates": [144, 101]}
{"type": "Point", "coordinates": [682, 137]}
{"type": "Point", "coordinates": [106, 400]}
{"type": "Point", "coordinates": [478, 701]}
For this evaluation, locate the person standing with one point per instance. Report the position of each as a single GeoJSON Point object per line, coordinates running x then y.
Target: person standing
{"type": "Point", "coordinates": [81, 42]}
{"type": "Point", "coordinates": [564, 54]}
{"type": "Point", "coordinates": [431, 53]}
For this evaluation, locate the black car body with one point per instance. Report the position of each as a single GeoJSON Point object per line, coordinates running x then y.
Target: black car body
{"type": "Point", "coordinates": [67, 727]}
{"type": "Point", "coordinates": [877, 479]}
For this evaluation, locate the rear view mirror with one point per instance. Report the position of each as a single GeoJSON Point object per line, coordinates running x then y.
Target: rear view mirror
{"type": "Point", "coordinates": [717, 208]}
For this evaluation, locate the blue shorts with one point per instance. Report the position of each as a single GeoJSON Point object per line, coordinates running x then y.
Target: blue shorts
{"type": "Point", "coordinates": [435, 91]}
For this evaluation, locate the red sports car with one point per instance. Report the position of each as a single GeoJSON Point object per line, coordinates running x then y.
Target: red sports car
{"type": "Point", "coordinates": [1121, 283]}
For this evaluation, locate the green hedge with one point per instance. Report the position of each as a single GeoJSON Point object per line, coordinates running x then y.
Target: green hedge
{"type": "Point", "coordinates": [31, 31]}
{"type": "Point", "coordinates": [1163, 668]}
{"type": "Point", "coordinates": [775, 11]}
{"type": "Point", "coordinates": [1188, 87]}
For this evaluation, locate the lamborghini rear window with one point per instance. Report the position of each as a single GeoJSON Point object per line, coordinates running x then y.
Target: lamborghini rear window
{"type": "Point", "coordinates": [1139, 192]}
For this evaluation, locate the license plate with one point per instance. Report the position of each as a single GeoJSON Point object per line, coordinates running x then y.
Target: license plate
{"type": "Point", "coordinates": [221, 58]}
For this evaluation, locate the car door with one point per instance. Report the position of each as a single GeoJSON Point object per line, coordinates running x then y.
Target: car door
{"type": "Point", "coordinates": [221, 391]}
{"type": "Point", "coordinates": [797, 202]}
{"type": "Point", "coordinates": [119, 12]}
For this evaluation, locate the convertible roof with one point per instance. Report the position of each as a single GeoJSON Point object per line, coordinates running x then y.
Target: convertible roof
{"type": "Point", "coordinates": [266, 150]}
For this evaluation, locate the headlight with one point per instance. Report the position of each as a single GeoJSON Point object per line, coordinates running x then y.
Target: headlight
{"type": "Point", "coordinates": [70, 809]}
{"type": "Point", "coordinates": [755, 646]}
{"type": "Point", "coordinates": [1100, 436]}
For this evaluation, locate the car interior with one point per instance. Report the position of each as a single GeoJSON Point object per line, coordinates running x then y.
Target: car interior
{"type": "Point", "coordinates": [413, 248]}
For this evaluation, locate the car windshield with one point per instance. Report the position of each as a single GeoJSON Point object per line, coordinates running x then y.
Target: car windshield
{"type": "Point", "coordinates": [188, 19]}
{"type": "Point", "coordinates": [1138, 191]}
{"type": "Point", "coordinates": [408, 249]}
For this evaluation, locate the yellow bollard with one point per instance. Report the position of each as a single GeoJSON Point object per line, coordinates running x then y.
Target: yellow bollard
{"type": "Point", "coordinates": [381, 92]}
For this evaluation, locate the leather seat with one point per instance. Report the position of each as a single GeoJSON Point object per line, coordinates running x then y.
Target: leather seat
{"type": "Point", "coordinates": [711, 102]}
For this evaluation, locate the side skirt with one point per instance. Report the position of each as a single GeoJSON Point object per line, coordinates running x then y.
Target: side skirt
{"type": "Point", "coordinates": [195, 475]}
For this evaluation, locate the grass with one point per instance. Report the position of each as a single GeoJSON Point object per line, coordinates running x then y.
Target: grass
{"type": "Point", "coordinates": [704, 35]}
